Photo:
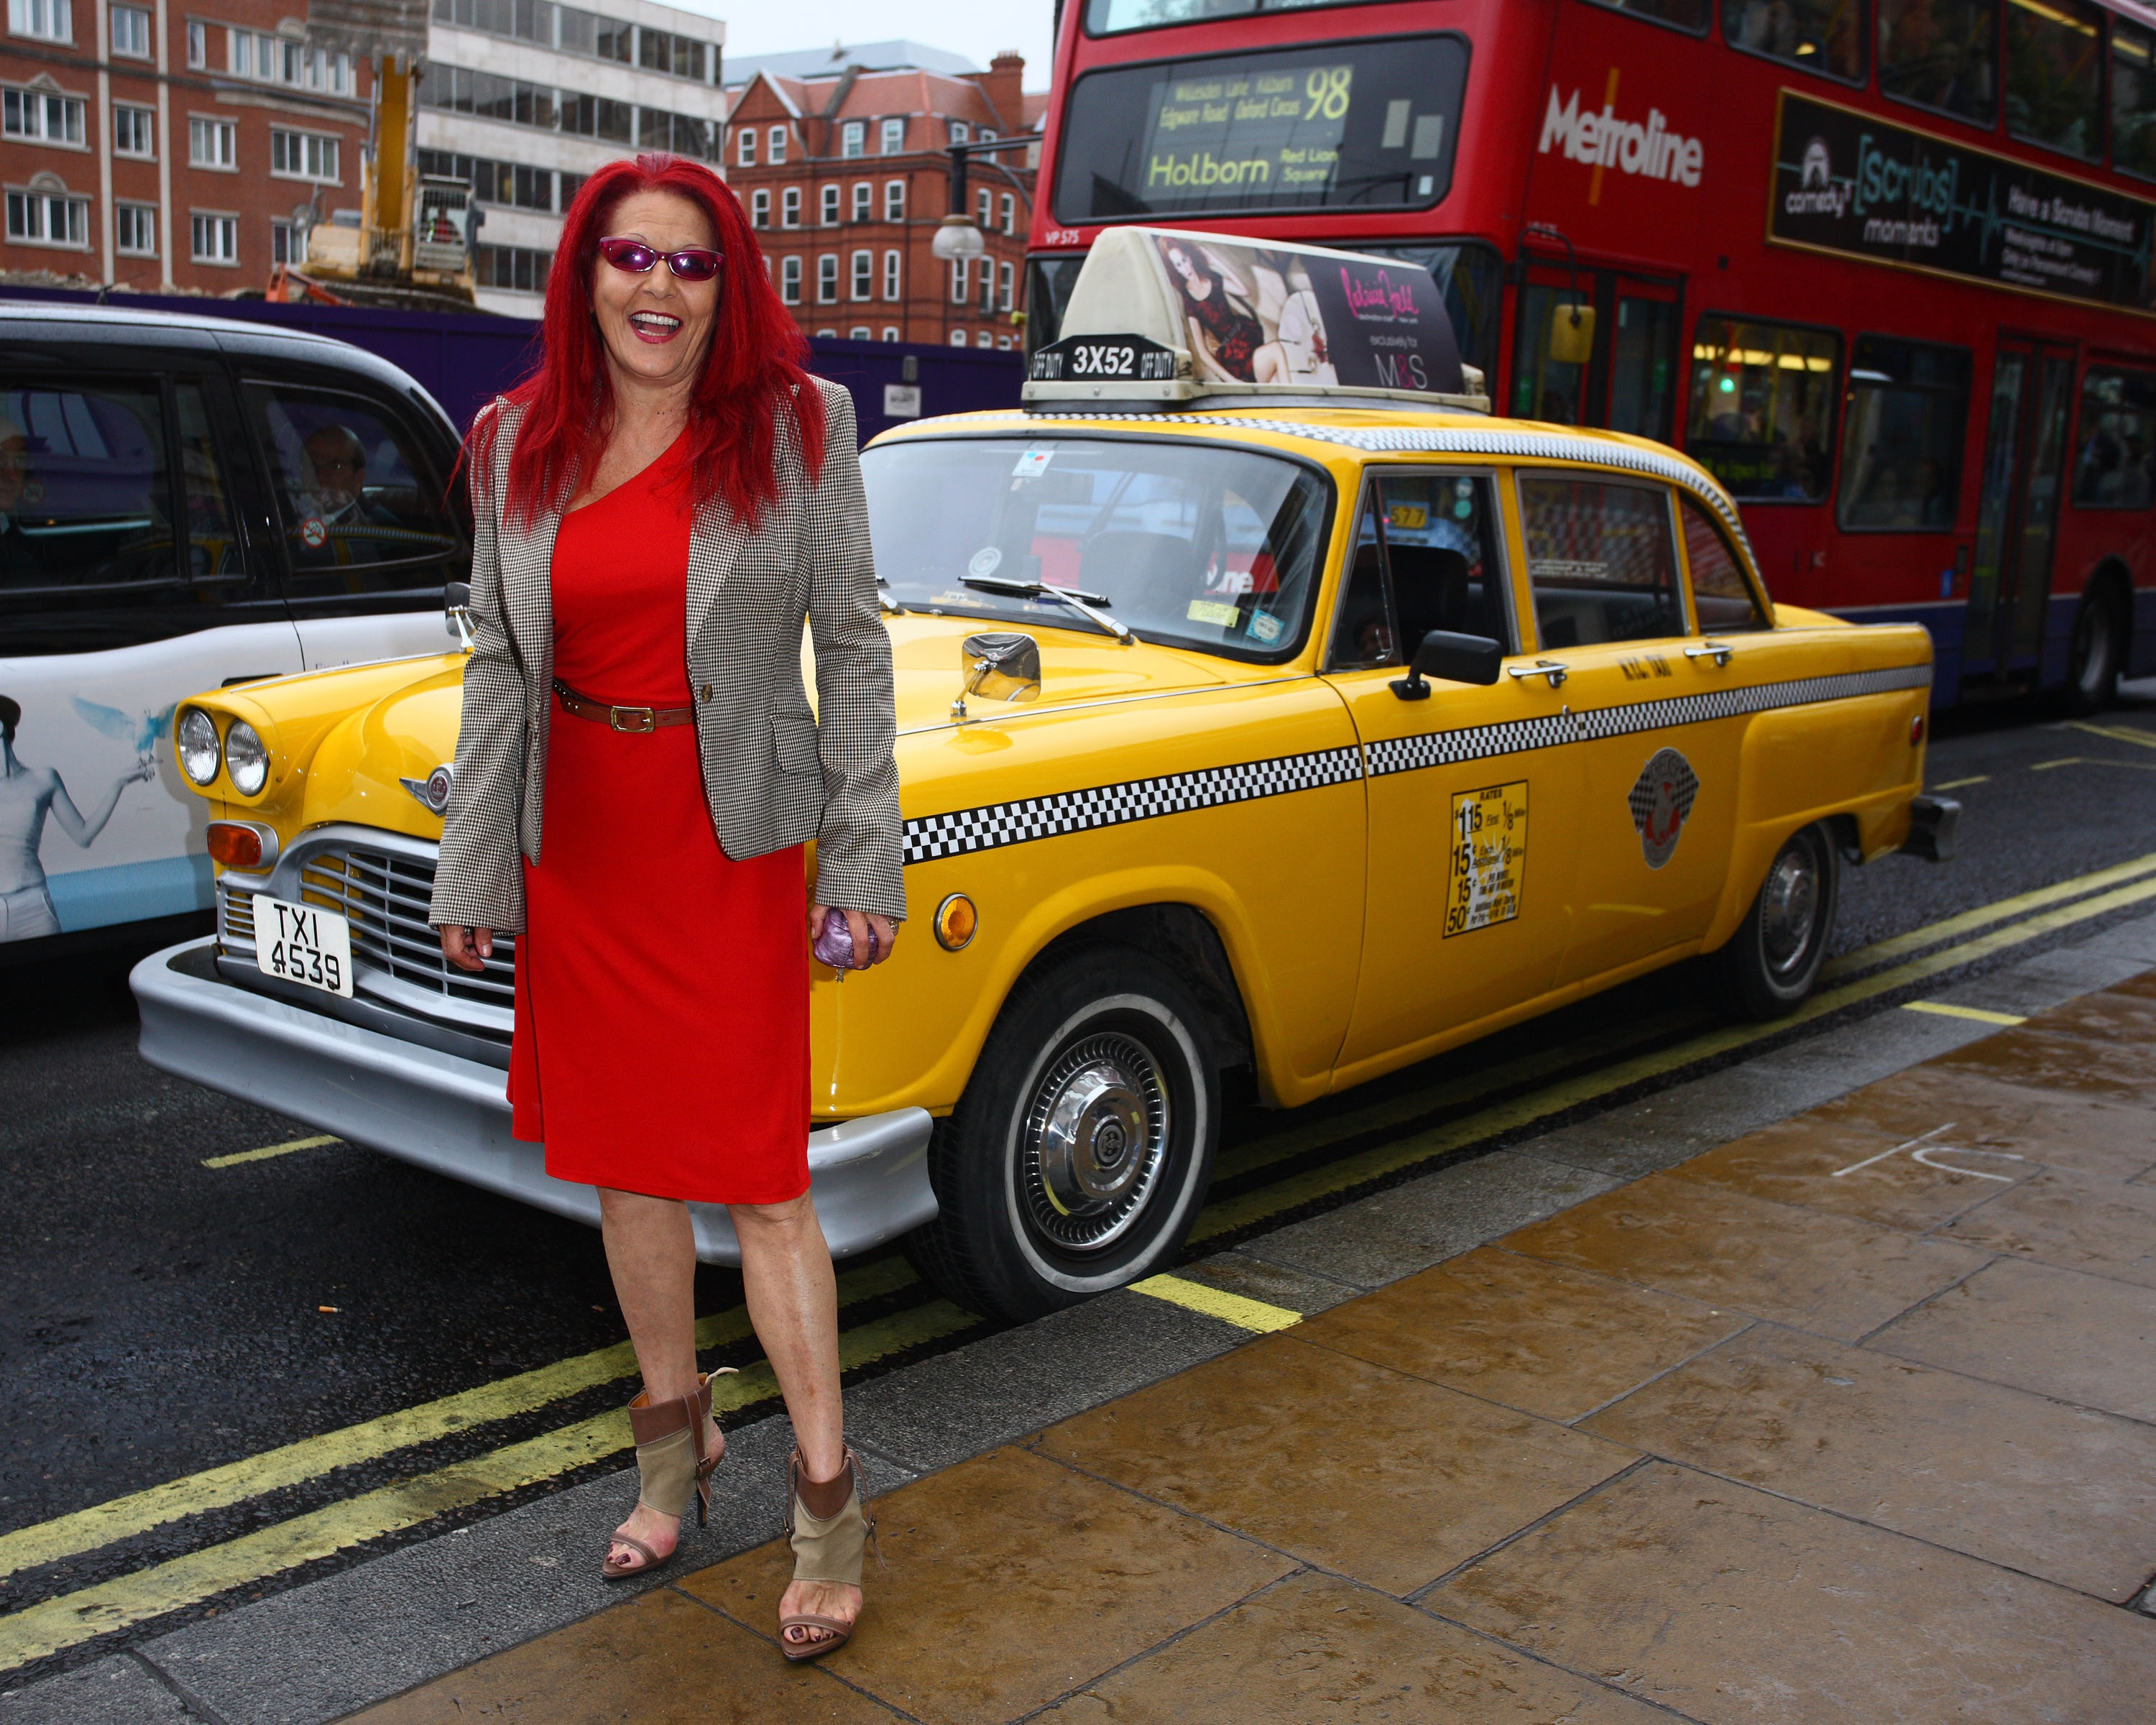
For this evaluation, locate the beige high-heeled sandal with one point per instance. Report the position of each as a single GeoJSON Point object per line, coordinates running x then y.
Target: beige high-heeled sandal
{"type": "Point", "coordinates": [830, 1530]}
{"type": "Point", "coordinates": [670, 1462]}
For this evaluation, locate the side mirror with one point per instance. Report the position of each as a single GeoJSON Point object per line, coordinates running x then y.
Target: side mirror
{"type": "Point", "coordinates": [1003, 665]}
{"type": "Point", "coordinates": [1451, 659]}
{"type": "Point", "coordinates": [456, 612]}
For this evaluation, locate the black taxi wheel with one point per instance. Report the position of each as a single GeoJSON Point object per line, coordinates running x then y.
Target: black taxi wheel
{"type": "Point", "coordinates": [1077, 1158]}
{"type": "Point", "coordinates": [1771, 962]}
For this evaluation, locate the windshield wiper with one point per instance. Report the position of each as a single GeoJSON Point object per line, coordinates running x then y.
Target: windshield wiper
{"type": "Point", "coordinates": [888, 599]}
{"type": "Point", "coordinates": [1082, 602]}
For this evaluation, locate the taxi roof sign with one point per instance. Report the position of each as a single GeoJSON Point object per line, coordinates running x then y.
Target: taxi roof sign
{"type": "Point", "coordinates": [1163, 315]}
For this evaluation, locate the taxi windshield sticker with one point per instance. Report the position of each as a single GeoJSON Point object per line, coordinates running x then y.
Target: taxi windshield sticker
{"type": "Point", "coordinates": [1489, 857]}
{"type": "Point", "coordinates": [1661, 799]}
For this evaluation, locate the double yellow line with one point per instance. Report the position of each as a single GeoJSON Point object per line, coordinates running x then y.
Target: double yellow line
{"type": "Point", "coordinates": [68, 1620]}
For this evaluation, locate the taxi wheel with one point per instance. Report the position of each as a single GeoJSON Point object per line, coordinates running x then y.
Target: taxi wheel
{"type": "Point", "coordinates": [1077, 1158]}
{"type": "Point", "coordinates": [1771, 962]}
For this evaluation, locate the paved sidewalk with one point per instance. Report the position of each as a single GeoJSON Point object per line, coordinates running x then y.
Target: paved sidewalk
{"type": "Point", "coordinates": [1852, 1418]}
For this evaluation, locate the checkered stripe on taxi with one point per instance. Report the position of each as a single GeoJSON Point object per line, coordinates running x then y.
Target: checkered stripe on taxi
{"type": "Point", "coordinates": [966, 830]}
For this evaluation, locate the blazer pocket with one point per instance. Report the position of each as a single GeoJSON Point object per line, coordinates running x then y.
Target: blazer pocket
{"type": "Point", "coordinates": [794, 735]}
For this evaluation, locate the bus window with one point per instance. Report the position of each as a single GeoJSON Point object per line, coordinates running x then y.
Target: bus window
{"type": "Point", "coordinates": [1105, 17]}
{"type": "Point", "coordinates": [1762, 418]}
{"type": "Point", "coordinates": [1601, 562]}
{"type": "Point", "coordinates": [2133, 100]}
{"type": "Point", "coordinates": [1822, 36]}
{"type": "Point", "coordinates": [1902, 436]}
{"type": "Point", "coordinates": [1940, 53]}
{"type": "Point", "coordinates": [363, 513]}
{"type": "Point", "coordinates": [2055, 75]}
{"type": "Point", "coordinates": [1686, 14]}
{"type": "Point", "coordinates": [2116, 446]}
{"type": "Point", "coordinates": [1370, 126]}
{"type": "Point", "coordinates": [1722, 599]}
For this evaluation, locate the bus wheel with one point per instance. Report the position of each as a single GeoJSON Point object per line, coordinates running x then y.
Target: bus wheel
{"type": "Point", "coordinates": [2094, 659]}
{"type": "Point", "coordinates": [1076, 1160]}
{"type": "Point", "coordinates": [1771, 962]}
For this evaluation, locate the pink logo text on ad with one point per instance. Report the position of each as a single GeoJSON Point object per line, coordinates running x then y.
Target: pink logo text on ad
{"type": "Point", "coordinates": [1379, 302]}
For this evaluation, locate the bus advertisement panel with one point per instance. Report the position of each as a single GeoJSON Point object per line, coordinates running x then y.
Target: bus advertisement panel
{"type": "Point", "coordinates": [1894, 288]}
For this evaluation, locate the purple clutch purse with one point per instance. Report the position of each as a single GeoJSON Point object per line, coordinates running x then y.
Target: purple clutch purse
{"type": "Point", "coordinates": [834, 943]}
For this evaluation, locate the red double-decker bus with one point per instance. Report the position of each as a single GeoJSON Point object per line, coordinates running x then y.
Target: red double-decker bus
{"type": "Point", "coordinates": [1884, 266]}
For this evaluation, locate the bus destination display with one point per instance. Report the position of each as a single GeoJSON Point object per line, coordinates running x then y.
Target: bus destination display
{"type": "Point", "coordinates": [1850, 182]}
{"type": "Point", "coordinates": [1370, 124]}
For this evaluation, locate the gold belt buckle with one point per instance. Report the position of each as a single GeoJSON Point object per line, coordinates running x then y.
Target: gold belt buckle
{"type": "Point", "coordinates": [632, 719]}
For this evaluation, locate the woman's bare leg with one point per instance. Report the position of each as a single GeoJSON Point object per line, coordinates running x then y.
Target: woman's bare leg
{"type": "Point", "coordinates": [793, 1302]}
{"type": "Point", "coordinates": [651, 1249]}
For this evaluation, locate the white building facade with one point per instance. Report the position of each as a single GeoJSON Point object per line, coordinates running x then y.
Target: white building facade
{"type": "Point", "coordinates": [525, 99]}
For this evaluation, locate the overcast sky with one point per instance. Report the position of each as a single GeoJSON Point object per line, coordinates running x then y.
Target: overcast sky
{"type": "Point", "coordinates": [973, 27]}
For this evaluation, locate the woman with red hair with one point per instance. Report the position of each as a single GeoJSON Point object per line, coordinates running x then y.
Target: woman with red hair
{"type": "Point", "coordinates": [659, 508]}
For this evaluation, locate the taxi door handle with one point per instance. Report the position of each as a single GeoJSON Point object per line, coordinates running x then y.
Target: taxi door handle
{"type": "Point", "coordinates": [1555, 669]}
{"type": "Point", "coordinates": [1718, 651]}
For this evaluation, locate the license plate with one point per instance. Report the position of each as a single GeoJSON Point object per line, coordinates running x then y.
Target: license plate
{"type": "Point", "coordinates": [303, 943]}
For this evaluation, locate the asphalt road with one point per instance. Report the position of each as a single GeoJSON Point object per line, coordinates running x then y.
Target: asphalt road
{"type": "Point", "coordinates": [159, 1317]}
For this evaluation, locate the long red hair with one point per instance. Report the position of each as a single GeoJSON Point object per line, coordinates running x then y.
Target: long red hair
{"type": "Point", "coordinates": [753, 373]}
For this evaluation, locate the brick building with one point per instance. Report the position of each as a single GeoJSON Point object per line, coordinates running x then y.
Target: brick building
{"type": "Point", "coordinates": [845, 173]}
{"type": "Point", "coordinates": [173, 155]}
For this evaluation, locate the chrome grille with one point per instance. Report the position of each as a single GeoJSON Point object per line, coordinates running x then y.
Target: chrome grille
{"type": "Point", "coordinates": [235, 912]}
{"type": "Point", "coordinates": [387, 898]}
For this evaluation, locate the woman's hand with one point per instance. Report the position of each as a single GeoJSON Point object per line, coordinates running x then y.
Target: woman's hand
{"type": "Point", "coordinates": [467, 948]}
{"type": "Point", "coordinates": [858, 924]}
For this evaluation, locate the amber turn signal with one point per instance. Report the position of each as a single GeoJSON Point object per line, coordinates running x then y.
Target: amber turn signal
{"type": "Point", "coordinates": [956, 920]}
{"type": "Point", "coordinates": [236, 845]}
{"type": "Point", "coordinates": [1916, 730]}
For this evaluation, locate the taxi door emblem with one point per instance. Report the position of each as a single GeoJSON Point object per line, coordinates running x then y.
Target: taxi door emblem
{"type": "Point", "coordinates": [1661, 799]}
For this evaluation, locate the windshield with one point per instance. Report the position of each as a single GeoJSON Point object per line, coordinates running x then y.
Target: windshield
{"type": "Point", "coordinates": [1191, 544]}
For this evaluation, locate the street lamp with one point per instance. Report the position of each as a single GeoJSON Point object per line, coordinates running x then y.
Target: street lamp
{"type": "Point", "coordinates": [957, 238]}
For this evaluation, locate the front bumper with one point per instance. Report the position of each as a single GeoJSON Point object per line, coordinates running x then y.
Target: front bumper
{"type": "Point", "coordinates": [439, 1111]}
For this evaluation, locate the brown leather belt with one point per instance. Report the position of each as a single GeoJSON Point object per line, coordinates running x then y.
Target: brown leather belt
{"type": "Point", "coordinates": [632, 719]}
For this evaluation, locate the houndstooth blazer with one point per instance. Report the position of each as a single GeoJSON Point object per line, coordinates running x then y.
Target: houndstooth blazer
{"type": "Point", "coordinates": [773, 775]}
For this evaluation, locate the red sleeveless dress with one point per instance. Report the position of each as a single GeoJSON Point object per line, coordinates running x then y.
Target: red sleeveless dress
{"type": "Point", "coordinates": [662, 989]}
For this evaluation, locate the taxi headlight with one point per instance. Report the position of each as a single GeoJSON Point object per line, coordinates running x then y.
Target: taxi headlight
{"type": "Point", "coordinates": [246, 758]}
{"type": "Point", "coordinates": [199, 749]}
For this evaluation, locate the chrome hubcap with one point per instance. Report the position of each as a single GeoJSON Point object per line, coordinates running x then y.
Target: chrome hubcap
{"type": "Point", "coordinates": [1093, 1142]}
{"type": "Point", "coordinates": [1790, 908]}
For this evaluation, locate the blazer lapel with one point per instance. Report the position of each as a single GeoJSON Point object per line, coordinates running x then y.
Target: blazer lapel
{"type": "Point", "coordinates": [714, 545]}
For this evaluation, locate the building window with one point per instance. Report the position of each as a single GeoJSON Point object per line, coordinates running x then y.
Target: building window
{"type": "Point", "coordinates": [778, 147]}
{"type": "Point", "coordinates": [759, 207]}
{"type": "Point", "coordinates": [958, 281]}
{"type": "Point", "coordinates": [789, 280]}
{"type": "Point", "coordinates": [212, 143]}
{"type": "Point", "coordinates": [789, 205]}
{"type": "Point", "coordinates": [984, 210]}
{"type": "Point", "coordinates": [214, 240]}
{"type": "Point", "coordinates": [1004, 273]}
{"type": "Point", "coordinates": [134, 130]}
{"type": "Point", "coordinates": [308, 155]}
{"type": "Point", "coordinates": [48, 218]}
{"type": "Point", "coordinates": [130, 32]}
{"type": "Point", "coordinates": [48, 119]}
{"type": "Point", "coordinates": [827, 279]}
{"type": "Point", "coordinates": [960, 133]}
{"type": "Point", "coordinates": [47, 20]}
{"type": "Point", "coordinates": [864, 275]}
{"type": "Point", "coordinates": [830, 204]}
{"type": "Point", "coordinates": [863, 200]}
{"type": "Point", "coordinates": [891, 268]}
{"type": "Point", "coordinates": [828, 335]}
{"type": "Point", "coordinates": [198, 44]}
{"type": "Point", "coordinates": [136, 229]}
{"type": "Point", "coordinates": [1009, 222]}
{"type": "Point", "coordinates": [988, 286]}
{"type": "Point", "coordinates": [957, 338]}
{"type": "Point", "coordinates": [285, 247]}
{"type": "Point", "coordinates": [890, 333]}
{"type": "Point", "coordinates": [854, 139]}
{"type": "Point", "coordinates": [894, 200]}
{"type": "Point", "coordinates": [745, 147]}
{"type": "Point", "coordinates": [861, 332]}
{"type": "Point", "coordinates": [514, 269]}
{"type": "Point", "coordinates": [894, 136]}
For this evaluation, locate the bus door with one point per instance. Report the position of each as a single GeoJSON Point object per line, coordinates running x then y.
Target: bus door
{"type": "Point", "coordinates": [2024, 448]}
{"type": "Point", "coordinates": [1620, 374]}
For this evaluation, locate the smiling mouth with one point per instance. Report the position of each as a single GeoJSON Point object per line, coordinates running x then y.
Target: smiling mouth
{"type": "Point", "coordinates": [654, 326]}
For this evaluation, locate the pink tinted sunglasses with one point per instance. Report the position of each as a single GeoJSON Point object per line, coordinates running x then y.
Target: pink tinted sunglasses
{"type": "Point", "coordinates": [694, 263]}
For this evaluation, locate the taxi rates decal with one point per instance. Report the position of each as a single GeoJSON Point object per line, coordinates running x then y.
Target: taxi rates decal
{"type": "Point", "coordinates": [1661, 799]}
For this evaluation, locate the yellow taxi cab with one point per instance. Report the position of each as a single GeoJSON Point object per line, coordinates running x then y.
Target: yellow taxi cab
{"type": "Point", "coordinates": [1263, 703]}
